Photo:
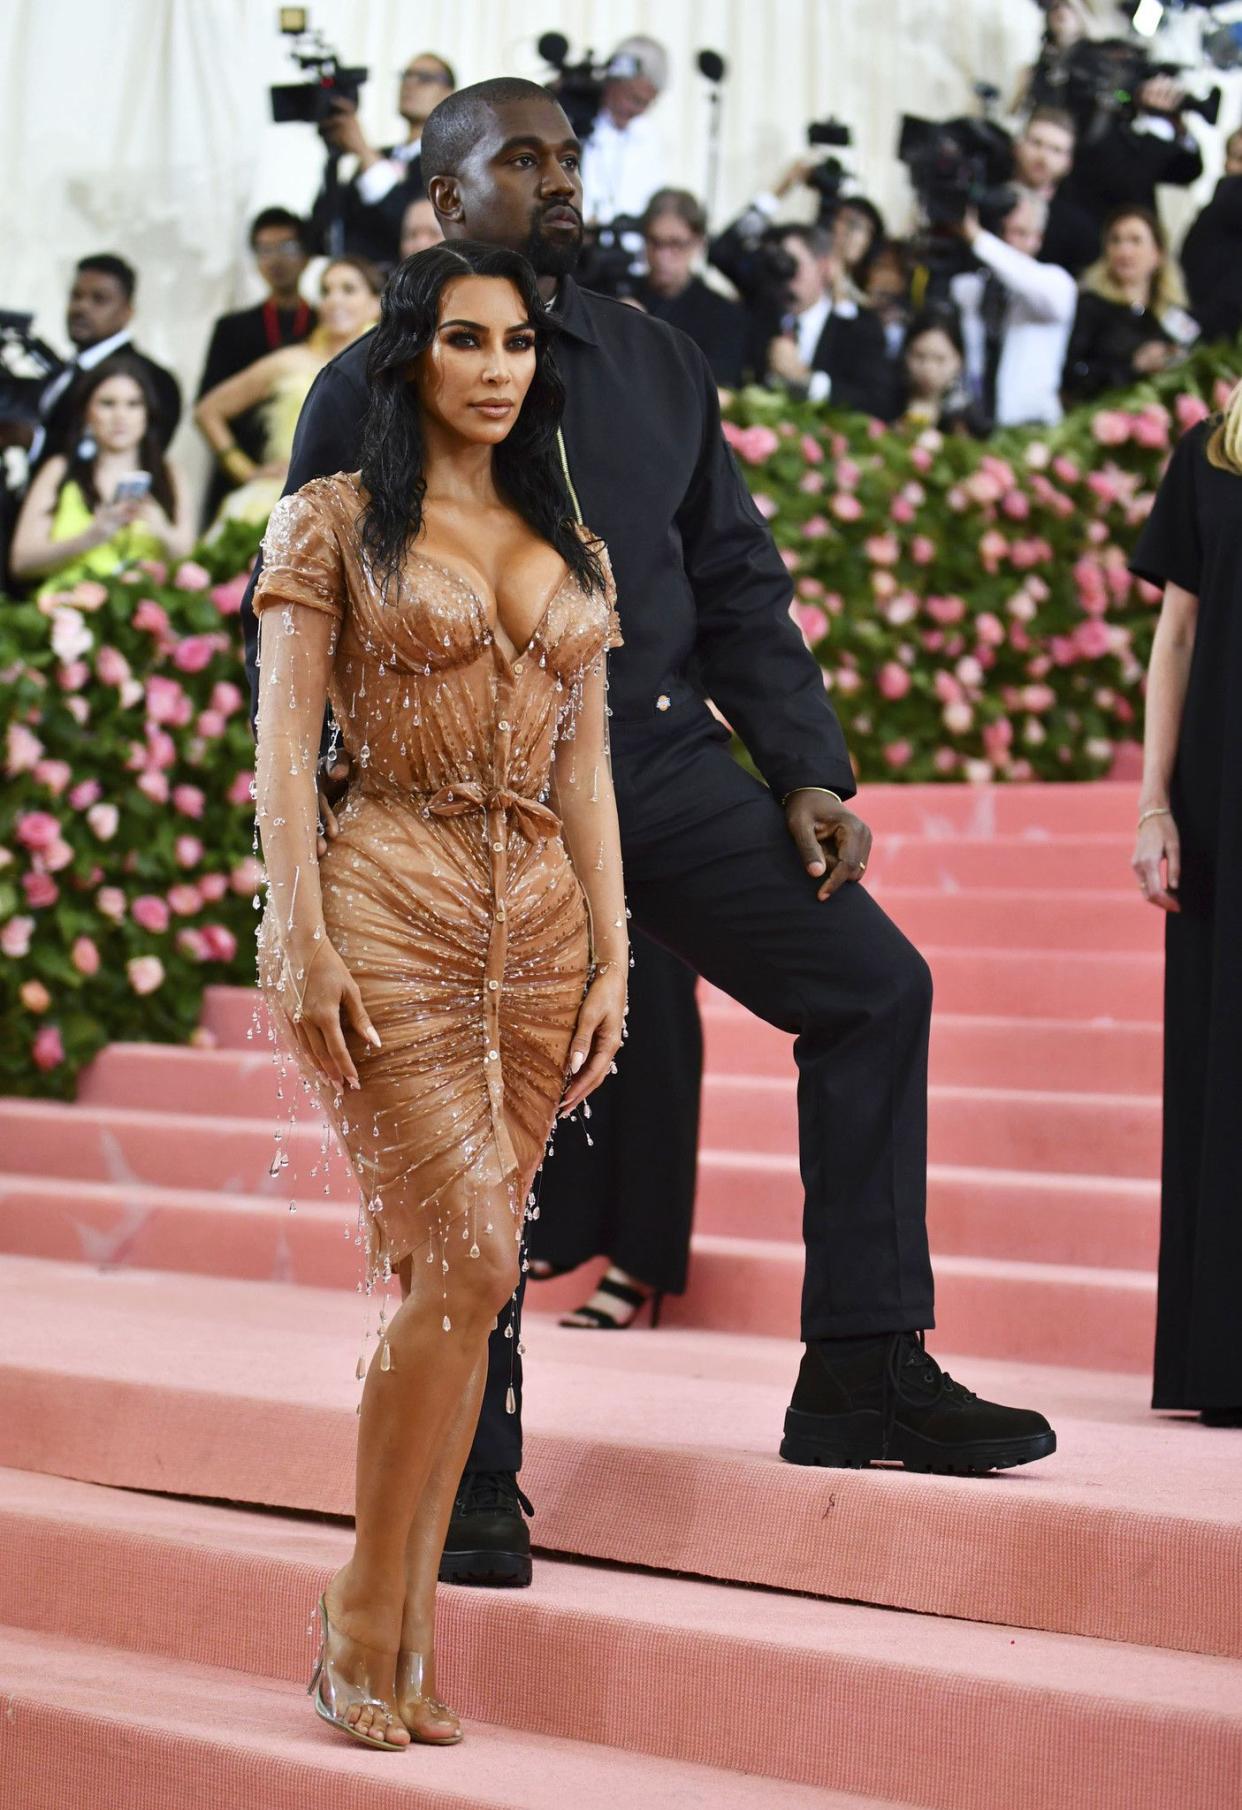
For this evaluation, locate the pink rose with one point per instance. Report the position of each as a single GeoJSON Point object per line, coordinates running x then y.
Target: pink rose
{"type": "Point", "coordinates": [189, 851]}
{"type": "Point", "coordinates": [811, 483]}
{"type": "Point", "coordinates": [154, 785]}
{"type": "Point", "coordinates": [23, 749]}
{"type": "Point", "coordinates": [1093, 639]}
{"type": "Point", "coordinates": [848, 473]}
{"type": "Point", "coordinates": [883, 582]}
{"type": "Point", "coordinates": [85, 956]}
{"type": "Point", "coordinates": [228, 597]}
{"type": "Point", "coordinates": [89, 594]}
{"type": "Point", "coordinates": [945, 760]}
{"type": "Point", "coordinates": [846, 507]}
{"type": "Point", "coordinates": [73, 675]}
{"type": "Point", "coordinates": [920, 458]}
{"type": "Point", "coordinates": [946, 687]}
{"type": "Point", "coordinates": [190, 576]}
{"type": "Point", "coordinates": [70, 636]}
{"type": "Point", "coordinates": [982, 487]}
{"type": "Point", "coordinates": [897, 754]}
{"type": "Point", "coordinates": [997, 739]}
{"type": "Point", "coordinates": [990, 629]}
{"type": "Point", "coordinates": [47, 1051]}
{"type": "Point", "coordinates": [54, 774]}
{"type": "Point", "coordinates": [15, 937]}
{"type": "Point", "coordinates": [922, 550]}
{"type": "Point", "coordinates": [37, 830]}
{"type": "Point", "coordinates": [239, 791]}
{"type": "Point", "coordinates": [167, 701]}
{"type": "Point", "coordinates": [40, 890]}
{"type": "Point", "coordinates": [957, 718]}
{"type": "Point", "coordinates": [1190, 410]}
{"type": "Point", "coordinates": [1111, 427]}
{"type": "Point", "coordinates": [809, 587]}
{"type": "Point", "coordinates": [892, 680]}
{"type": "Point", "coordinates": [193, 944]}
{"type": "Point", "coordinates": [221, 943]}
{"type": "Point", "coordinates": [194, 653]}
{"type": "Point", "coordinates": [110, 903]}
{"type": "Point", "coordinates": [246, 876]}
{"type": "Point", "coordinates": [184, 900]}
{"type": "Point", "coordinates": [792, 560]}
{"type": "Point", "coordinates": [111, 666]}
{"type": "Point", "coordinates": [151, 617]}
{"type": "Point", "coordinates": [146, 973]}
{"type": "Point", "coordinates": [811, 620]}
{"type": "Point", "coordinates": [945, 609]}
{"type": "Point", "coordinates": [85, 793]}
{"type": "Point", "coordinates": [161, 749]}
{"type": "Point", "coordinates": [901, 608]}
{"type": "Point", "coordinates": [56, 855]}
{"type": "Point", "coordinates": [104, 820]}
{"type": "Point", "coordinates": [154, 568]}
{"type": "Point", "coordinates": [812, 451]}
{"type": "Point", "coordinates": [969, 672]}
{"type": "Point", "coordinates": [189, 800]}
{"type": "Point", "coordinates": [847, 681]}
{"type": "Point", "coordinates": [225, 697]}
{"type": "Point", "coordinates": [1150, 427]}
{"type": "Point", "coordinates": [992, 549]}
{"type": "Point", "coordinates": [150, 913]}
{"type": "Point", "coordinates": [902, 510]}
{"type": "Point", "coordinates": [815, 528]}
{"type": "Point", "coordinates": [213, 887]}
{"type": "Point", "coordinates": [1016, 506]}
{"type": "Point", "coordinates": [1066, 469]}
{"type": "Point", "coordinates": [764, 504]}
{"type": "Point", "coordinates": [882, 549]}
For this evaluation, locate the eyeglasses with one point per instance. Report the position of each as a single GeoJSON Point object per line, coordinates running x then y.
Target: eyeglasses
{"type": "Point", "coordinates": [283, 248]}
{"type": "Point", "coordinates": [654, 243]}
{"type": "Point", "coordinates": [436, 76]}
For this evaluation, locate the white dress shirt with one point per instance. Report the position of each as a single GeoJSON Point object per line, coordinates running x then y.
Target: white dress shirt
{"type": "Point", "coordinates": [1042, 299]}
{"type": "Point", "coordinates": [379, 179]}
{"type": "Point", "coordinates": [808, 329]}
{"type": "Point", "coordinates": [621, 168]}
{"type": "Point", "coordinates": [82, 361]}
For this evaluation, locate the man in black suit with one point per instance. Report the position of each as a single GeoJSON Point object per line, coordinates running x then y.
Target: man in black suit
{"type": "Point", "coordinates": [98, 317]}
{"type": "Point", "coordinates": [831, 347]}
{"type": "Point", "coordinates": [373, 203]}
{"type": "Point", "coordinates": [752, 885]}
{"type": "Point", "coordinates": [674, 239]}
{"type": "Point", "coordinates": [278, 240]}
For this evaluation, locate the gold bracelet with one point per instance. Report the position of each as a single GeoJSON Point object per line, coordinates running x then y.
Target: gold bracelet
{"type": "Point", "coordinates": [824, 789]}
{"type": "Point", "coordinates": [1159, 810]}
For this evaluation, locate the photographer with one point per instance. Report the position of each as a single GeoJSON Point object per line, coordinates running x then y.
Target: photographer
{"type": "Point", "coordinates": [1016, 315]}
{"type": "Point", "coordinates": [1123, 159]}
{"type": "Point", "coordinates": [1212, 253]}
{"type": "Point", "coordinates": [98, 317]}
{"type": "Point", "coordinates": [372, 205]}
{"type": "Point", "coordinates": [1043, 155]}
{"type": "Point", "coordinates": [674, 238]}
{"type": "Point", "coordinates": [622, 159]}
{"type": "Point", "coordinates": [1130, 322]}
{"type": "Point", "coordinates": [829, 347]}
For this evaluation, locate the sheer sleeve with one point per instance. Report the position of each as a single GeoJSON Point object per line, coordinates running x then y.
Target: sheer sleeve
{"type": "Point", "coordinates": [1169, 549]}
{"type": "Point", "coordinates": [613, 637]}
{"type": "Point", "coordinates": [302, 560]}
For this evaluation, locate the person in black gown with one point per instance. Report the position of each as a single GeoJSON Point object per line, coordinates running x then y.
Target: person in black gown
{"type": "Point", "coordinates": [1190, 824]}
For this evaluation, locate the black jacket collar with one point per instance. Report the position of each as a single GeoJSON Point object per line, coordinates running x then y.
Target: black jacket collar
{"type": "Point", "coordinates": [570, 311]}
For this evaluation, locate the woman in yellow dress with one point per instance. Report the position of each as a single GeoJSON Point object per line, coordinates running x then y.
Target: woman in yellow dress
{"type": "Point", "coordinates": [451, 971]}
{"type": "Point", "coordinates": [73, 524]}
{"type": "Point", "coordinates": [279, 385]}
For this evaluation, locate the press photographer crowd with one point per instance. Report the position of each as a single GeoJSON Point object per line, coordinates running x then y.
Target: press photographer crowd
{"type": "Point", "coordinates": [1034, 273]}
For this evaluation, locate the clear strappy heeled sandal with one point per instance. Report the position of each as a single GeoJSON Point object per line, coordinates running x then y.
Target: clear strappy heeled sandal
{"type": "Point", "coordinates": [336, 1696]}
{"type": "Point", "coordinates": [410, 1666]}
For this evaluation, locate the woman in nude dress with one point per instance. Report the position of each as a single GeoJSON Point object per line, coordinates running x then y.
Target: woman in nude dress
{"type": "Point", "coordinates": [451, 972]}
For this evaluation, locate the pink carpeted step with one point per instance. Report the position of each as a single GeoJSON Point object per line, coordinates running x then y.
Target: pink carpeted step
{"type": "Point", "coordinates": [809, 1692]}
{"type": "Point", "coordinates": [967, 1051]}
{"type": "Point", "coordinates": [1102, 1134]}
{"type": "Point", "coordinates": [98, 1728]}
{"type": "Point", "coordinates": [1028, 918]}
{"type": "Point", "coordinates": [959, 810]}
{"type": "Point", "coordinates": [645, 1448]}
{"type": "Point", "coordinates": [1038, 859]}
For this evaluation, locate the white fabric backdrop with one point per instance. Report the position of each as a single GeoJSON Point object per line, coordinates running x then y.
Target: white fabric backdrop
{"type": "Point", "coordinates": [144, 128]}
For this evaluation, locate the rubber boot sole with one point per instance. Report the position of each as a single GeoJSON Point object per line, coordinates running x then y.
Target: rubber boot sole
{"type": "Point", "coordinates": [853, 1441]}
{"type": "Point", "coordinates": [500, 1570]}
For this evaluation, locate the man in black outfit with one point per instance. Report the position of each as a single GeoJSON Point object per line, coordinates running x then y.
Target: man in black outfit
{"type": "Point", "coordinates": [278, 240]}
{"type": "Point", "coordinates": [372, 203]}
{"type": "Point", "coordinates": [675, 239]}
{"type": "Point", "coordinates": [98, 316]}
{"type": "Point", "coordinates": [1043, 155]}
{"type": "Point", "coordinates": [751, 885]}
{"type": "Point", "coordinates": [1212, 253]}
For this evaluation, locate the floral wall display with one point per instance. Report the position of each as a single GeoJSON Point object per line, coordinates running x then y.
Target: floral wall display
{"type": "Point", "coordinates": [968, 603]}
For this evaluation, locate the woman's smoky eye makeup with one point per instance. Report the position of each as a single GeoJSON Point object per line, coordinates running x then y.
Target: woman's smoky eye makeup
{"type": "Point", "coordinates": [520, 340]}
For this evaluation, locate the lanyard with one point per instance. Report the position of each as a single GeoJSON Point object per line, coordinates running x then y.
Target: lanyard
{"type": "Point", "coordinates": [573, 494]}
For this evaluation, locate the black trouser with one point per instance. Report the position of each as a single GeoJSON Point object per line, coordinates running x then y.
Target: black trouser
{"type": "Point", "coordinates": [711, 872]}
{"type": "Point", "coordinates": [620, 1184]}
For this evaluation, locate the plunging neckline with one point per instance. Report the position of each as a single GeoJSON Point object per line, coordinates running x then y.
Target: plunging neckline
{"type": "Point", "coordinates": [519, 653]}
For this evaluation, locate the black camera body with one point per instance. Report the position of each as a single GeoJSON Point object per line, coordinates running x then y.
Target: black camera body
{"type": "Point", "coordinates": [956, 165]}
{"type": "Point", "coordinates": [26, 363]}
{"type": "Point", "coordinates": [1104, 77]}
{"type": "Point", "coordinates": [311, 102]}
{"type": "Point", "coordinates": [829, 176]}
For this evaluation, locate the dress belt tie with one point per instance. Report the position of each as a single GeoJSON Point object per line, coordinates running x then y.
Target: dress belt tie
{"type": "Point", "coordinates": [536, 820]}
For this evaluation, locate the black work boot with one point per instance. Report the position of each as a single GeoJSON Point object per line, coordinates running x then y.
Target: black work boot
{"type": "Point", "coordinates": [889, 1399]}
{"type": "Point", "coordinates": [488, 1542]}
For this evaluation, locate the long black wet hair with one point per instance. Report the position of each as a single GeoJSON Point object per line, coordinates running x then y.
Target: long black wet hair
{"type": "Point", "coordinates": [80, 450]}
{"type": "Point", "coordinates": [526, 464]}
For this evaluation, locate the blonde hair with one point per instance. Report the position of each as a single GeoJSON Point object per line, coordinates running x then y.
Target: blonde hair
{"type": "Point", "coordinates": [1224, 447]}
{"type": "Point", "coordinates": [1167, 290]}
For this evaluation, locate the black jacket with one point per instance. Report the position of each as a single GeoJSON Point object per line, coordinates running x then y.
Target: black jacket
{"type": "Point", "coordinates": [1072, 235]}
{"type": "Point", "coordinates": [237, 341]}
{"type": "Point", "coordinates": [1102, 346]}
{"type": "Point", "coordinates": [719, 328]}
{"type": "Point", "coordinates": [372, 229]}
{"type": "Point", "coordinates": [702, 590]}
{"type": "Point", "coordinates": [854, 352]}
{"type": "Point", "coordinates": [1212, 262]}
{"type": "Point", "coordinates": [1124, 168]}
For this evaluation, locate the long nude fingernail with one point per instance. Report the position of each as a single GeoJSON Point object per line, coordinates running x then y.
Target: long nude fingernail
{"type": "Point", "coordinates": [576, 1061]}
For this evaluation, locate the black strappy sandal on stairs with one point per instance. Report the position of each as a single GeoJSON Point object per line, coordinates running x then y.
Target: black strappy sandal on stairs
{"type": "Point", "coordinates": [596, 1319]}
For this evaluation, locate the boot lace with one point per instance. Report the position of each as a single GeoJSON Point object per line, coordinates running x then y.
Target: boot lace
{"type": "Point", "coordinates": [908, 1353]}
{"type": "Point", "coordinates": [485, 1492]}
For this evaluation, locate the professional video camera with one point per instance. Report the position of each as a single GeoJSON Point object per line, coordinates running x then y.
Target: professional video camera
{"type": "Point", "coordinates": [956, 166]}
{"type": "Point", "coordinates": [829, 176]}
{"type": "Point", "coordinates": [26, 363]}
{"type": "Point", "coordinates": [1104, 78]}
{"type": "Point", "coordinates": [606, 263]}
{"type": "Point", "coordinates": [579, 87]}
{"type": "Point", "coordinates": [312, 102]}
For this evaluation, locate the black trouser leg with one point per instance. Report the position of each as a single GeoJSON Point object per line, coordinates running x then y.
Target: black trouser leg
{"type": "Point", "coordinates": [498, 1440]}
{"type": "Point", "coordinates": [628, 1193]}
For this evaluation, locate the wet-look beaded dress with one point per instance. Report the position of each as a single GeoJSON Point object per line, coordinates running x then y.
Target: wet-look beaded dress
{"type": "Point", "coordinates": [448, 893]}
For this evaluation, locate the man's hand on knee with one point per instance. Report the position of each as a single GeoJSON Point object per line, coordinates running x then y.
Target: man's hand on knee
{"type": "Point", "coordinates": [830, 839]}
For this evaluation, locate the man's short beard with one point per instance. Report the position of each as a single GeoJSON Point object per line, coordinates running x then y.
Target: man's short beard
{"type": "Point", "coordinates": [547, 259]}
